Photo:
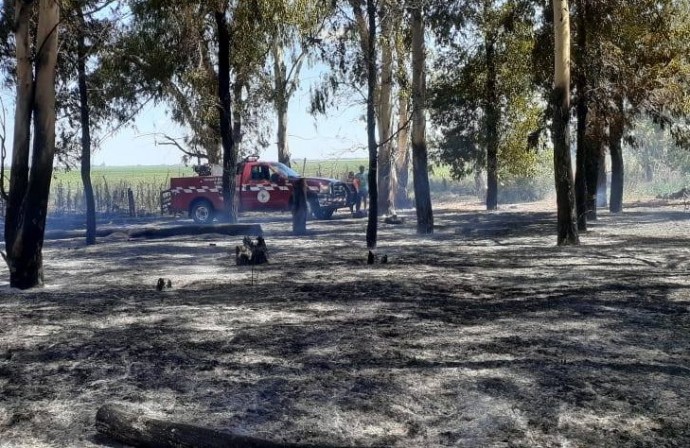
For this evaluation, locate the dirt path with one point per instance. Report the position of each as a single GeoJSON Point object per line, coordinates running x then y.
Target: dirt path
{"type": "Point", "coordinates": [485, 334]}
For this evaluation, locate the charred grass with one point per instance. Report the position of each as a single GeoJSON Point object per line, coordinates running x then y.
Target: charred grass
{"type": "Point", "coordinates": [485, 334]}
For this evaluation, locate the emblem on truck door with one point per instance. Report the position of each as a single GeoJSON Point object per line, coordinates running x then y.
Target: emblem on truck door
{"type": "Point", "coordinates": [263, 196]}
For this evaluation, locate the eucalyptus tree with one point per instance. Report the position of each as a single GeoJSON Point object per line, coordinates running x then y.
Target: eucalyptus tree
{"type": "Point", "coordinates": [484, 102]}
{"type": "Point", "coordinates": [401, 152]}
{"type": "Point", "coordinates": [186, 79]}
{"type": "Point", "coordinates": [211, 82]}
{"type": "Point", "coordinates": [85, 109]}
{"type": "Point", "coordinates": [422, 193]}
{"type": "Point", "coordinates": [84, 102]}
{"type": "Point", "coordinates": [560, 104]}
{"type": "Point", "coordinates": [296, 28]}
{"type": "Point", "coordinates": [631, 61]}
{"type": "Point", "coordinates": [346, 50]}
{"type": "Point", "coordinates": [388, 12]}
{"type": "Point", "coordinates": [583, 19]}
{"type": "Point", "coordinates": [350, 50]}
{"type": "Point", "coordinates": [650, 42]}
{"type": "Point", "coordinates": [372, 224]}
{"type": "Point", "coordinates": [36, 51]}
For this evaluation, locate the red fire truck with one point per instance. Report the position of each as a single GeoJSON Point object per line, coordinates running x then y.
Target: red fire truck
{"type": "Point", "coordinates": [261, 186]}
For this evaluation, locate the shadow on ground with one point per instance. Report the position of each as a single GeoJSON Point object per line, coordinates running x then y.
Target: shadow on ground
{"type": "Point", "coordinates": [484, 334]}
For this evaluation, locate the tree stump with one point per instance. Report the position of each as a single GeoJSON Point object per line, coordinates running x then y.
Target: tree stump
{"type": "Point", "coordinates": [251, 253]}
{"type": "Point", "coordinates": [299, 208]}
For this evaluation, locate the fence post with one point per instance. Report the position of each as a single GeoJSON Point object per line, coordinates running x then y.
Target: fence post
{"type": "Point", "coordinates": [130, 199]}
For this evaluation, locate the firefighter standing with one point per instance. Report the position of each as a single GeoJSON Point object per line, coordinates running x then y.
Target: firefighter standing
{"type": "Point", "coordinates": [362, 188]}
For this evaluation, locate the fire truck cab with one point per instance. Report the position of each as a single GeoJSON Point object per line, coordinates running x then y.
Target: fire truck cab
{"type": "Point", "coordinates": [260, 186]}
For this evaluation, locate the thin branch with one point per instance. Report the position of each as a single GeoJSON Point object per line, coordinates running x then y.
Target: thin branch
{"type": "Point", "coordinates": [100, 8]}
{"type": "Point", "coordinates": [397, 132]}
{"type": "Point", "coordinates": [124, 122]}
{"type": "Point", "coordinates": [171, 141]}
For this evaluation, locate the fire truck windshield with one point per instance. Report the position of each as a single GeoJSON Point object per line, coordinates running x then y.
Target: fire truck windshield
{"type": "Point", "coordinates": [285, 170]}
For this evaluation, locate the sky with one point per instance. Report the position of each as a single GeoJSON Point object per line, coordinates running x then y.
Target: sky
{"type": "Point", "coordinates": [342, 134]}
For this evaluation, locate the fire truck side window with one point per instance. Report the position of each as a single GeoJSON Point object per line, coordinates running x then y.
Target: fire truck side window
{"type": "Point", "coordinates": [260, 172]}
{"type": "Point", "coordinates": [275, 175]}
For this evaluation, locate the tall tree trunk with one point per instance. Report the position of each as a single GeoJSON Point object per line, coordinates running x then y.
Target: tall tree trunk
{"type": "Point", "coordinates": [385, 111]}
{"type": "Point", "coordinates": [592, 150]}
{"type": "Point", "coordinates": [25, 256]}
{"type": "Point", "coordinates": [237, 132]}
{"type": "Point", "coordinates": [602, 181]}
{"type": "Point", "coordinates": [616, 148]}
{"type": "Point", "coordinates": [281, 99]}
{"type": "Point", "coordinates": [85, 132]}
{"type": "Point", "coordinates": [422, 194]}
{"type": "Point", "coordinates": [402, 162]}
{"type": "Point", "coordinates": [402, 154]}
{"type": "Point", "coordinates": [567, 227]}
{"type": "Point", "coordinates": [479, 181]}
{"type": "Point", "coordinates": [582, 110]}
{"type": "Point", "coordinates": [19, 172]}
{"type": "Point", "coordinates": [491, 108]}
{"type": "Point", "coordinates": [372, 224]}
{"type": "Point", "coordinates": [580, 163]}
{"type": "Point", "coordinates": [225, 108]}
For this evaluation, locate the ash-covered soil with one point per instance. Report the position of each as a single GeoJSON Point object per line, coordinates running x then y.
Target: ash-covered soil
{"type": "Point", "coordinates": [484, 334]}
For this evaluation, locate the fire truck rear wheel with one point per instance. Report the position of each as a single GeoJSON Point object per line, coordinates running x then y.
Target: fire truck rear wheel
{"type": "Point", "coordinates": [202, 212]}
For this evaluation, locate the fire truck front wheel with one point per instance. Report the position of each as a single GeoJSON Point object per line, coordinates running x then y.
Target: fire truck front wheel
{"type": "Point", "coordinates": [202, 212]}
{"type": "Point", "coordinates": [317, 211]}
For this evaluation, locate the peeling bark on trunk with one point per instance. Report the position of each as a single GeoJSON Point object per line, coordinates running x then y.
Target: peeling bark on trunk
{"type": "Point", "coordinates": [592, 151]}
{"type": "Point", "coordinates": [602, 182]}
{"type": "Point", "coordinates": [617, 170]}
{"type": "Point", "coordinates": [565, 198]}
{"type": "Point", "coordinates": [402, 155]}
{"type": "Point", "coordinates": [385, 111]}
{"type": "Point", "coordinates": [422, 194]}
{"type": "Point", "coordinates": [225, 108]}
{"type": "Point", "coordinates": [19, 172]}
{"type": "Point", "coordinates": [25, 258]}
{"type": "Point", "coordinates": [85, 133]}
{"type": "Point", "coordinates": [284, 155]}
{"type": "Point", "coordinates": [593, 148]}
{"type": "Point", "coordinates": [281, 100]}
{"type": "Point", "coordinates": [580, 161]}
{"type": "Point", "coordinates": [402, 167]}
{"type": "Point", "coordinates": [491, 109]}
{"type": "Point", "coordinates": [237, 115]}
{"type": "Point", "coordinates": [372, 224]}
{"type": "Point", "coordinates": [582, 111]}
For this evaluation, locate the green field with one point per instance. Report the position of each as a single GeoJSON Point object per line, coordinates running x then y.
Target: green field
{"type": "Point", "coordinates": [160, 174]}
{"type": "Point", "coordinates": [130, 174]}
{"type": "Point", "coordinates": [111, 183]}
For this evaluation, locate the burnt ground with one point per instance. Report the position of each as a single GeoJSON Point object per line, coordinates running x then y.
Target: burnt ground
{"type": "Point", "coordinates": [485, 334]}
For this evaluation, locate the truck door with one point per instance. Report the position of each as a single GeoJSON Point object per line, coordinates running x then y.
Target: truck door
{"type": "Point", "coordinates": [282, 190]}
{"type": "Point", "coordinates": [255, 194]}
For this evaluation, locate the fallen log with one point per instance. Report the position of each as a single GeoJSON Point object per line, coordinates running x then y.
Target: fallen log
{"type": "Point", "coordinates": [137, 430]}
{"type": "Point", "coordinates": [69, 234]}
{"type": "Point", "coordinates": [223, 229]}
{"type": "Point", "coordinates": [163, 232]}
